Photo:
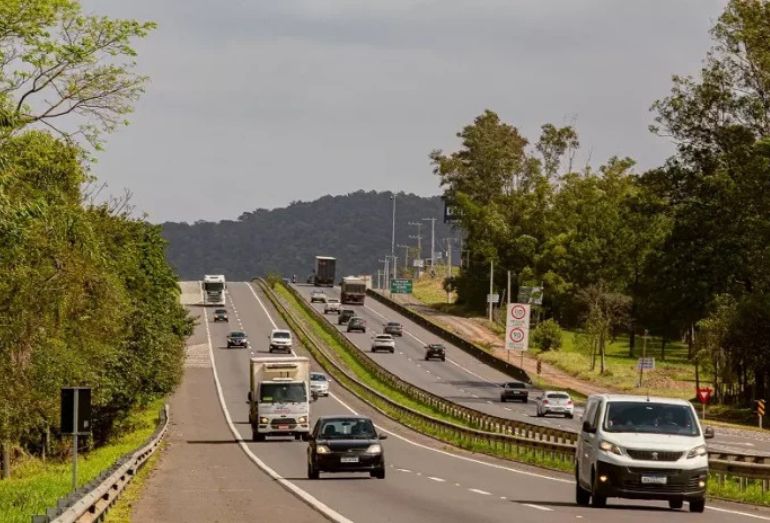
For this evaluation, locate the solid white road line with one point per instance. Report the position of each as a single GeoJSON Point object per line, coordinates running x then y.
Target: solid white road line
{"type": "Point", "coordinates": [291, 487]}
{"type": "Point", "coordinates": [261, 305]}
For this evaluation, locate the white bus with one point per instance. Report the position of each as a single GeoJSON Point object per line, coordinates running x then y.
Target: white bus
{"type": "Point", "coordinates": [214, 289]}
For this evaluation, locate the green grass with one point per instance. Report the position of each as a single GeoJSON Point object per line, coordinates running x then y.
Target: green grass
{"type": "Point", "coordinates": [731, 490]}
{"type": "Point", "coordinates": [36, 485]}
{"type": "Point", "coordinates": [431, 291]}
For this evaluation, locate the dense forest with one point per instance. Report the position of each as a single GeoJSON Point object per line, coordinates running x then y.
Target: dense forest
{"type": "Point", "coordinates": [355, 228]}
{"type": "Point", "coordinates": [681, 251]}
{"type": "Point", "coordinates": [87, 297]}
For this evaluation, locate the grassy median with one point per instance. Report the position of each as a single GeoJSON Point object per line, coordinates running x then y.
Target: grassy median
{"type": "Point", "coordinates": [36, 485]}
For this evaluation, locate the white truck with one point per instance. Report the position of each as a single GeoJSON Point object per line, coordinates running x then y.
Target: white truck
{"type": "Point", "coordinates": [279, 398]}
{"type": "Point", "coordinates": [213, 289]}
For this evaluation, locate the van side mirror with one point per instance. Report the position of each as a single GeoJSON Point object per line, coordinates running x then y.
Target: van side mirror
{"type": "Point", "coordinates": [588, 428]}
{"type": "Point", "coordinates": [708, 433]}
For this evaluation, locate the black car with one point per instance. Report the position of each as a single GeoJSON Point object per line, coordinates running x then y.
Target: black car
{"type": "Point", "coordinates": [345, 444]}
{"type": "Point", "coordinates": [356, 324]}
{"type": "Point", "coordinates": [393, 328]}
{"type": "Point", "coordinates": [237, 339]}
{"type": "Point", "coordinates": [345, 316]}
{"type": "Point", "coordinates": [220, 315]}
{"type": "Point", "coordinates": [435, 350]}
{"type": "Point", "coordinates": [514, 390]}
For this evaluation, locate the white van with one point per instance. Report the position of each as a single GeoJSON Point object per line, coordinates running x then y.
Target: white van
{"type": "Point", "coordinates": [641, 448]}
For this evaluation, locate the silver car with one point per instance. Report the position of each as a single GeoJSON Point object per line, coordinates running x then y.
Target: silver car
{"type": "Point", "coordinates": [555, 402]}
{"type": "Point", "coordinates": [383, 342]}
{"type": "Point", "coordinates": [319, 384]}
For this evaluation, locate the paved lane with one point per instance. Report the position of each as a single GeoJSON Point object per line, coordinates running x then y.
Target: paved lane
{"type": "Point", "coordinates": [425, 482]}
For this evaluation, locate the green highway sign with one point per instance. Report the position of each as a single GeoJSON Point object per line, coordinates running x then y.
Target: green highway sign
{"type": "Point", "coordinates": [400, 286]}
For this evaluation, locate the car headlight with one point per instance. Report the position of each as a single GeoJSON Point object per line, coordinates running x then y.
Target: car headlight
{"type": "Point", "coordinates": [606, 446]}
{"type": "Point", "coordinates": [700, 450]}
{"type": "Point", "coordinates": [263, 421]}
{"type": "Point", "coordinates": [322, 449]}
{"type": "Point", "coordinates": [375, 448]}
{"type": "Point", "coordinates": [302, 420]}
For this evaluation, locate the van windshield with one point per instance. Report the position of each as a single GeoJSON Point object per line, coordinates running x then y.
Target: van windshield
{"type": "Point", "coordinates": [650, 418]}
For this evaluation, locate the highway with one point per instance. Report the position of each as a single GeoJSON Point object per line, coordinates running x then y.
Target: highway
{"type": "Point", "coordinates": [425, 480]}
{"type": "Point", "coordinates": [466, 381]}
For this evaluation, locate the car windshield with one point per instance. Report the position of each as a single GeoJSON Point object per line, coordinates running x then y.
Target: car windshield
{"type": "Point", "coordinates": [516, 386]}
{"type": "Point", "coordinates": [436, 347]}
{"type": "Point", "coordinates": [237, 334]}
{"type": "Point", "coordinates": [318, 377]}
{"type": "Point", "coordinates": [347, 429]}
{"type": "Point", "coordinates": [384, 338]}
{"type": "Point", "coordinates": [282, 335]}
{"type": "Point", "coordinates": [393, 324]}
{"type": "Point", "coordinates": [332, 300]}
{"type": "Point", "coordinates": [650, 417]}
{"type": "Point", "coordinates": [557, 396]}
{"type": "Point", "coordinates": [220, 311]}
{"type": "Point", "coordinates": [282, 393]}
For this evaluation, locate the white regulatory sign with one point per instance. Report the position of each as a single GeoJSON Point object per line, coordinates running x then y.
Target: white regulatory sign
{"type": "Point", "coordinates": [517, 327]}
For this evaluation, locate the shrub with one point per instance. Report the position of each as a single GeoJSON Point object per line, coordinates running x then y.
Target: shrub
{"type": "Point", "coordinates": [547, 335]}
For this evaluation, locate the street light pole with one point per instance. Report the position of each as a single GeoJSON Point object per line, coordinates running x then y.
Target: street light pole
{"type": "Point", "coordinates": [419, 243]}
{"type": "Point", "coordinates": [393, 233]}
{"type": "Point", "coordinates": [406, 257]}
{"type": "Point", "coordinates": [432, 241]}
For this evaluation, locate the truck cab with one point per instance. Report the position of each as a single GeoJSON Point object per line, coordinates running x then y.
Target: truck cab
{"type": "Point", "coordinates": [279, 397]}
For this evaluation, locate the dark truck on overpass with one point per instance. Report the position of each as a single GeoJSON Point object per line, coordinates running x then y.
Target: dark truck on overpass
{"type": "Point", "coordinates": [325, 267]}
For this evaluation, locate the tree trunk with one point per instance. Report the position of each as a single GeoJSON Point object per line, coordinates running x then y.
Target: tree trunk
{"type": "Point", "coordinates": [632, 341]}
{"type": "Point", "coordinates": [6, 466]}
{"type": "Point", "coordinates": [601, 353]}
{"type": "Point", "coordinates": [697, 375]}
{"type": "Point", "coordinates": [593, 354]}
{"type": "Point", "coordinates": [663, 349]}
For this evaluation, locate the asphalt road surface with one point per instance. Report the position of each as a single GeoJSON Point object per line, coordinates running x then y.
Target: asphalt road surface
{"type": "Point", "coordinates": [425, 481]}
{"type": "Point", "coordinates": [466, 381]}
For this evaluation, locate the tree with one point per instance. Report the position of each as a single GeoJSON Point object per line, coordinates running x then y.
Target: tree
{"type": "Point", "coordinates": [553, 144]}
{"type": "Point", "coordinates": [605, 310]}
{"type": "Point", "coordinates": [547, 335]}
{"type": "Point", "coordinates": [61, 69]}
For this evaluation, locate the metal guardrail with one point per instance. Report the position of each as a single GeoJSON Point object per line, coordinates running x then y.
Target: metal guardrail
{"type": "Point", "coordinates": [724, 466]}
{"type": "Point", "coordinates": [498, 440]}
{"type": "Point", "coordinates": [473, 417]}
{"type": "Point", "coordinates": [91, 502]}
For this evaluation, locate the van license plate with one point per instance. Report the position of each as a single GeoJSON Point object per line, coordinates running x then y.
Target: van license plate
{"type": "Point", "coordinates": [654, 480]}
{"type": "Point", "coordinates": [283, 427]}
{"type": "Point", "coordinates": [352, 459]}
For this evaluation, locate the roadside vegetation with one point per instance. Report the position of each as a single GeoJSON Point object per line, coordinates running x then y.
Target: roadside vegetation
{"type": "Point", "coordinates": [678, 252]}
{"type": "Point", "coordinates": [37, 484]}
{"type": "Point", "coordinates": [86, 295]}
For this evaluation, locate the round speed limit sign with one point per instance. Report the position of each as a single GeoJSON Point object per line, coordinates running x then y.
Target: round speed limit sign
{"type": "Point", "coordinates": [518, 312]}
{"type": "Point", "coordinates": [517, 335]}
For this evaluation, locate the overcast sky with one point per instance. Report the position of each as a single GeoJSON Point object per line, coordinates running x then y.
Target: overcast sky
{"type": "Point", "coordinates": [256, 103]}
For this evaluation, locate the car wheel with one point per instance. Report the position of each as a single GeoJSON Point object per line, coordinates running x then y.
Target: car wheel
{"type": "Point", "coordinates": [502, 399]}
{"type": "Point", "coordinates": [596, 500]}
{"type": "Point", "coordinates": [443, 359]}
{"type": "Point", "coordinates": [539, 414]}
{"type": "Point", "coordinates": [256, 436]}
{"type": "Point", "coordinates": [697, 505]}
{"type": "Point", "coordinates": [570, 416]}
{"type": "Point", "coordinates": [304, 436]}
{"type": "Point", "coordinates": [525, 400]}
{"type": "Point", "coordinates": [582, 496]}
{"type": "Point", "coordinates": [312, 473]}
{"type": "Point", "coordinates": [675, 504]}
{"type": "Point", "coordinates": [379, 473]}
{"type": "Point", "coordinates": [373, 349]}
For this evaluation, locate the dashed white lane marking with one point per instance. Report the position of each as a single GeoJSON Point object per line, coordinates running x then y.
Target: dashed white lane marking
{"type": "Point", "coordinates": [419, 473]}
{"type": "Point", "coordinates": [507, 408]}
{"type": "Point", "coordinates": [538, 507]}
{"type": "Point", "coordinates": [440, 480]}
{"type": "Point", "coordinates": [457, 484]}
{"type": "Point", "coordinates": [489, 402]}
{"type": "Point", "coordinates": [403, 470]}
{"type": "Point", "coordinates": [503, 498]}
{"type": "Point", "coordinates": [475, 395]}
{"type": "Point", "coordinates": [479, 491]}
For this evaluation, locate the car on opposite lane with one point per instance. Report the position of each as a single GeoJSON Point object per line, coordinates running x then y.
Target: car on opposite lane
{"type": "Point", "coordinates": [515, 390]}
{"type": "Point", "coordinates": [345, 316]}
{"type": "Point", "coordinates": [319, 384]}
{"type": "Point", "coordinates": [237, 339]}
{"type": "Point", "coordinates": [280, 340]}
{"type": "Point", "coordinates": [554, 402]}
{"type": "Point", "coordinates": [317, 296]}
{"type": "Point", "coordinates": [394, 328]}
{"type": "Point", "coordinates": [383, 342]}
{"type": "Point", "coordinates": [345, 444]}
{"type": "Point", "coordinates": [332, 305]}
{"type": "Point", "coordinates": [356, 324]}
{"type": "Point", "coordinates": [220, 315]}
{"type": "Point", "coordinates": [435, 350]}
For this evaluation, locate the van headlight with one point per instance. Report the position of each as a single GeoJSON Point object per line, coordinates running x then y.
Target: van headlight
{"type": "Point", "coordinates": [606, 446]}
{"type": "Point", "coordinates": [263, 421]}
{"type": "Point", "coordinates": [700, 450]}
{"type": "Point", "coordinates": [374, 449]}
{"type": "Point", "coordinates": [302, 420]}
{"type": "Point", "coordinates": [322, 449]}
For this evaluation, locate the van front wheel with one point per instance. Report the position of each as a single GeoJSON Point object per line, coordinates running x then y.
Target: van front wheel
{"type": "Point", "coordinates": [582, 496]}
{"type": "Point", "coordinates": [597, 501]}
{"type": "Point", "coordinates": [675, 504]}
{"type": "Point", "coordinates": [697, 505]}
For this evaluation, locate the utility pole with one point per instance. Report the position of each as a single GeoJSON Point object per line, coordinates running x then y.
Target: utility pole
{"type": "Point", "coordinates": [393, 231]}
{"type": "Point", "coordinates": [432, 241]}
{"type": "Point", "coordinates": [491, 285]}
{"type": "Point", "coordinates": [385, 274]}
{"type": "Point", "coordinates": [644, 358]}
{"type": "Point", "coordinates": [419, 243]}
{"type": "Point", "coordinates": [379, 279]}
{"type": "Point", "coordinates": [406, 257]}
{"type": "Point", "coordinates": [448, 264]}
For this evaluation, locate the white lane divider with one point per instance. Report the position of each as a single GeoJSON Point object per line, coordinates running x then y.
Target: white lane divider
{"type": "Point", "coordinates": [288, 485]}
{"type": "Point", "coordinates": [261, 305]}
{"type": "Point", "coordinates": [538, 507]}
{"type": "Point", "coordinates": [440, 480]}
{"type": "Point", "coordinates": [479, 491]}
{"type": "Point", "coordinates": [403, 470]}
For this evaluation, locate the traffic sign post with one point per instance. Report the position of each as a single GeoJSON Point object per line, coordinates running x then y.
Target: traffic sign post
{"type": "Point", "coordinates": [704, 395]}
{"type": "Point", "coordinates": [760, 411]}
{"type": "Point", "coordinates": [75, 420]}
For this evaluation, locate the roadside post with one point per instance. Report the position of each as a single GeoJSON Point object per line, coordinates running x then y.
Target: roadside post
{"type": "Point", "coordinates": [75, 420]}
{"type": "Point", "coordinates": [517, 328]}
{"type": "Point", "coordinates": [760, 411]}
{"type": "Point", "coordinates": [644, 361]}
{"type": "Point", "coordinates": [704, 395]}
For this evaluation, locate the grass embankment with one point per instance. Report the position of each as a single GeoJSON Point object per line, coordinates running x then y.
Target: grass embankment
{"type": "Point", "coordinates": [122, 509]}
{"type": "Point", "coordinates": [320, 331]}
{"type": "Point", "coordinates": [36, 485]}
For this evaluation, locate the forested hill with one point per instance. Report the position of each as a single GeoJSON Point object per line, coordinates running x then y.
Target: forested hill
{"type": "Point", "coordinates": [355, 228]}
